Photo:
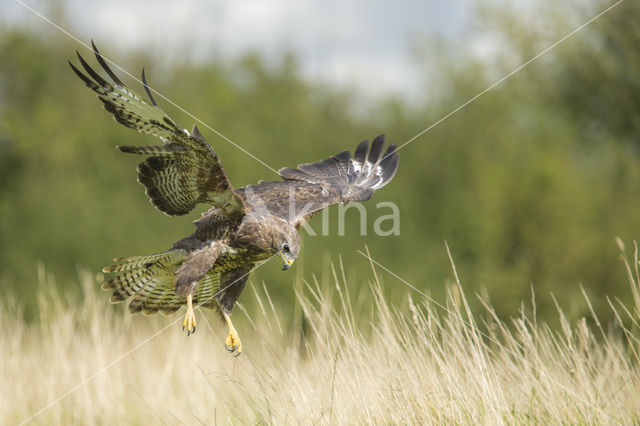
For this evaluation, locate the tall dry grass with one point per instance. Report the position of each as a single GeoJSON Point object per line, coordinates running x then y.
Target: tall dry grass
{"type": "Point", "coordinates": [423, 365]}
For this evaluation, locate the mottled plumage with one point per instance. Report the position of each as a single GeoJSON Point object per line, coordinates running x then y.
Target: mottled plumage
{"type": "Point", "coordinates": [243, 227]}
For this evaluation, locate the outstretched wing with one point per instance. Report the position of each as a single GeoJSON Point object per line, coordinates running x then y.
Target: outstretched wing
{"type": "Point", "coordinates": [180, 173]}
{"type": "Point", "coordinates": [310, 188]}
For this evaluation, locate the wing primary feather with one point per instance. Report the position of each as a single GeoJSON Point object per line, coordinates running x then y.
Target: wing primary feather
{"type": "Point", "coordinates": [341, 178]}
{"type": "Point", "coordinates": [389, 165]}
{"type": "Point", "coordinates": [158, 150]}
{"type": "Point", "coordinates": [376, 149]}
{"type": "Point", "coordinates": [342, 157]}
{"type": "Point", "coordinates": [104, 65]}
{"type": "Point", "coordinates": [83, 77]}
{"type": "Point", "coordinates": [101, 81]}
{"type": "Point", "coordinates": [390, 151]}
{"type": "Point", "coordinates": [146, 88]}
{"type": "Point", "coordinates": [185, 170]}
{"type": "Point", "coordinates": [360, 156]}
{"type": "Point", "coordinates": [343, 163]}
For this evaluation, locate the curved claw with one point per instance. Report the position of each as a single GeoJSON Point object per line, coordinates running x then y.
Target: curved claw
{"type": "Point", "coordinates": [189, 324]}
{"type": "Point", "coordinates": [189, 319]}
{"type": "Point", "coordinates": [233, 344]}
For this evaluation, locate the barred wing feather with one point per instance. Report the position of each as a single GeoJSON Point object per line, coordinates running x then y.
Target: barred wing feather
{"type": "Point", "coordinates": [179, 174]}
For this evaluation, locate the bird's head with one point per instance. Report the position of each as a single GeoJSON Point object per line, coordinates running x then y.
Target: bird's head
{"type": "Point", "coordinates": [287, 243]}
{"type": "Point", "coordinates": [269, 235]}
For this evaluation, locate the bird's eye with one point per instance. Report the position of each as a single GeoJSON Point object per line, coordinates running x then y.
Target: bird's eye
{"type": "Point", "coordinates": [285, 248]}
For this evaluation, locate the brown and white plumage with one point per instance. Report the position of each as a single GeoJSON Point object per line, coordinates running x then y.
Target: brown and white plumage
{"type": "Point", "coordinates": [313, 187]}
{"type": "Point", "coordinates": [242, 228]}
{"type": "Point", "coordinates": [180, 173]}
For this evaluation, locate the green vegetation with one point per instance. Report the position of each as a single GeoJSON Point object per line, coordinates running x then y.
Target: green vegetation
{"type": "Point", "coordinates": [529, 185]}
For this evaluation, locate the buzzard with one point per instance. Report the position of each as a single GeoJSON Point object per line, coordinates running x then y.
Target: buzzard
{"type": "Point", "coordinates": [243, 228]}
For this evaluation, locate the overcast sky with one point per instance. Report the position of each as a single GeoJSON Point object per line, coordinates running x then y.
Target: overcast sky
{"type": "Point", "coordinates": [363, 42]}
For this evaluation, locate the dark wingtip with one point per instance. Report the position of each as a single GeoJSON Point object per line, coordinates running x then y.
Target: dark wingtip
{"type": "Point", "coordinates": [362, 145]}
{"type": "Point", "coordinates": [104, 65]}
{"type": "Point", "coordinates": [129, 149]}
{"type": "Point", "coordinates": [146, 88]}
{"type": "Point", "coordinates": [376, 149]}
{"type": "Point", "coordinates": [101, 81]}
{"type": "Point", "coordinates": [389, 164]}
{"type": "Point", "coordinates": [81, 75]}
{"type": "Point", "coordinates": [391, 150]}
{"type": "Point", "coordinates": [360, 154]}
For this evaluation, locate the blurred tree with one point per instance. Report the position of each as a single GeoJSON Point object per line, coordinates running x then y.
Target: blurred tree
{"type": "Point", "coordinates": [529, 184]}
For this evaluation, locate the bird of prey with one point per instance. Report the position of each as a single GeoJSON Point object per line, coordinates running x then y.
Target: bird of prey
{"type": "Point", "coordinates": [243, 228]}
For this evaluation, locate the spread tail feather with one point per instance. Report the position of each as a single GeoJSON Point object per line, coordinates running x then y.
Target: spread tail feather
{"type": "Point", "coordinates": [150, 283]}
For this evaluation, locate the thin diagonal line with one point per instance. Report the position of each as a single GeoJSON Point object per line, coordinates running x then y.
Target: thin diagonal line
{"type": "Point", "coordinates": [515, 354]}
{"type": "Point", "coordinates": [139, 81]}
{"type": "Point", "coordinates": [504, 78]}
{"type": "Point", "coordinates": [139, 345]}
{"type": "Point", "coordinates": [130, 351]}
{"type": "Point", "coordinates": [94, 375]}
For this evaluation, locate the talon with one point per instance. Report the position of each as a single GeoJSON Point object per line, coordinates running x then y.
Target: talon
{"type": "Point", "coordinates": [232, 343]}
{"type": "Point", "coordinates": [189, 318]}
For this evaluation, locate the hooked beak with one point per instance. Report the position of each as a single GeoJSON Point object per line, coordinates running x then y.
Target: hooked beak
{"type": "Point", "coordinates": [286, 264]}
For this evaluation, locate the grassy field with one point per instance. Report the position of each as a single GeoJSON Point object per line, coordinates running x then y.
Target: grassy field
{"type": "Point", "coordinates": [422, 365]}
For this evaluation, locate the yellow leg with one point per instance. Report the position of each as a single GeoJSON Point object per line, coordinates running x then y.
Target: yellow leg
{"type": "Point", "coordinates": [232, 342]}
{"type": "Point", "coordinates": [189, 318]}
